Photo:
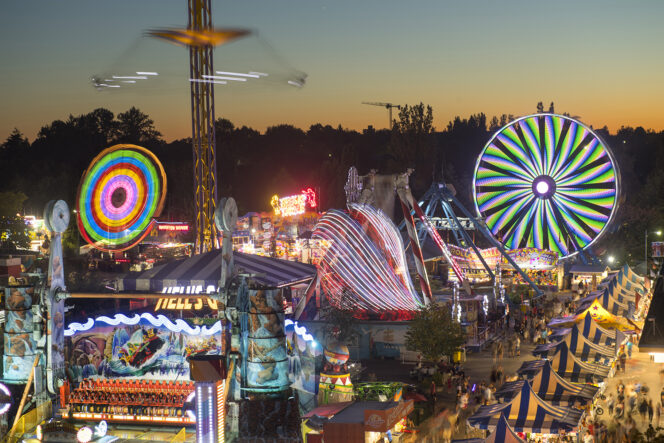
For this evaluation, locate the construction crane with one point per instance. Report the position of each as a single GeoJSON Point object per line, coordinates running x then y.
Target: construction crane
{"type": "Point", "coordinates": [388, 106]}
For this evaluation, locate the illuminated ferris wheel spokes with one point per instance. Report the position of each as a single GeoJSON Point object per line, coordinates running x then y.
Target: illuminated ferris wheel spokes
{"type": "Point", "coordinates": [546, 181]}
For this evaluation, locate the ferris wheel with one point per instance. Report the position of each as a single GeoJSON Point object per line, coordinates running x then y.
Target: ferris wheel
{"type": "Point", "coordinates": [546, 181]}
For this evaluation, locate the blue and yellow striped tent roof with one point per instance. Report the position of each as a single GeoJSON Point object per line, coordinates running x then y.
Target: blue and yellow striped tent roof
{"type": "Point", "coordinates": [579, 346]}
{"type": "Point", "coordinates": [526, 412]}
{"type": "Point", "coordinates": [626, 280]}
{"type": "Point", "coordinates": [551, 388]}
{"type": "Point", "coordinates": [589, 328]}
{"type": "Point", "coordinates": [503, 433]}
{"type": "Point", "coordinates": [609, 303]}
{"type": "Point", "coordinates": [568, 366]}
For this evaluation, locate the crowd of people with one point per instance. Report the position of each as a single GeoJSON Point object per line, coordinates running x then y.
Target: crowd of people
{"type": "Point", "coordinates": [627, 411]}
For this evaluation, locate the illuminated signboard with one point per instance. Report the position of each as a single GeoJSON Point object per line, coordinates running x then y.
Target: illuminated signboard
{"type": "Point", "coordinates": [294, 204]}
{"type": "Point", "coordinates": [173, 227]}
{"type": "Point", "coordinates": [184, 303]}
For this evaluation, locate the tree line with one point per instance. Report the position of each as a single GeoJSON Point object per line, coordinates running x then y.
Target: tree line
{"type": "Point", "coordinates": [252, 166]}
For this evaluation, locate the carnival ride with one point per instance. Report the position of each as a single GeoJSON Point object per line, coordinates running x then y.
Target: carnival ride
{"type": "Point", "coordinates": [546, 181]}
{"type": "Point", "coordinates": [364, 269]}
{"type": "Point", "coordinates": [119, 195]}
{"type": "Point", "coordinates": [443, 196]}
{"type": "Point", "coordinates": [200, 37]}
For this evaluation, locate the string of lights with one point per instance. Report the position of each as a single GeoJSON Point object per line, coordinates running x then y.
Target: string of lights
{"type": "Point", "coordinates": [178, 325]}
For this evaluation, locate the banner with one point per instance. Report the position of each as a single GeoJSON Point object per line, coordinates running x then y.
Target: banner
{"type": "Point", "coordinates": [138, 350]}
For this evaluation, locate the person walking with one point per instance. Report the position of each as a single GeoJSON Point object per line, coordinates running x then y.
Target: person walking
{"type": "Point", "coordinates": [620, 410]}
{"type": "Point", "coordinates": [651, 410]}
{"type": "Point", "coordinates": [517, 345]}
{"type": "Point", "coordinates": [629, 347]}
{"type": "Point", "coordinates": [631, 402]}
{"type": "Point", "coordinates": [622, 358]}
{"type": "Point", "coordinates": [610, 402]}
{"type": "Point", "coordinates": [643, 408]}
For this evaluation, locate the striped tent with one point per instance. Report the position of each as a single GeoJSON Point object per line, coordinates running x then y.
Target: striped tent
{"type": "Point", "coordinates": [626, 280]}
{"type": "Point", "coordinates": [601, 316]}
{"type": "Point", "coordinates": [589, 328]}
{"type": "Point", "coordinates": [204, 270]}
{"type": "Point", "coordinates": [503, 433]}
{"type": "Point", "coordinates": [579, 346]}
{"type": "Point", "coordinates": [568, 366]}
{"type": "Point", "coordinates": [551, 388]}
{"type": "Point", "coordinates": [609, 303]}
{"type": "Point", "coordinates": [526, 412]}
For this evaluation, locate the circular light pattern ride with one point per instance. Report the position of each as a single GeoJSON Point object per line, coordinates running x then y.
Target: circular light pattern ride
{"type": "Point", "coordinates": [546, 181]}
{"type": "Point", "coordinates": [119, 195]}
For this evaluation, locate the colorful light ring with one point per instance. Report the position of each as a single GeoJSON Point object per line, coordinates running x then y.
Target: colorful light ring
{"type": "Point", "coordinates": [355, 273]}
{"type": "Point", "coordinates": [120, 193]}
{"type": "Point", "coordinates": [546, 181]}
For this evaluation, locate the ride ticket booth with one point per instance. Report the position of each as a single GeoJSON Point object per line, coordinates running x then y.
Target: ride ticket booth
{"type": "Point", "coordinates": [369, 422]}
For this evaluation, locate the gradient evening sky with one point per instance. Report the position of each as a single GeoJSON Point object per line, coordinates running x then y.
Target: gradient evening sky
{"type": "Point", "coordinates": [601, 60]}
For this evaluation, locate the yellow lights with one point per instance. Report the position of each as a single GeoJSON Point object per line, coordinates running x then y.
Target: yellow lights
{"type": "Point", "coordinates": [184, 303]}
{"type": "Point", "coordinates": [196, 38]}
{"type": "Point", "coordinates": [294, 204]}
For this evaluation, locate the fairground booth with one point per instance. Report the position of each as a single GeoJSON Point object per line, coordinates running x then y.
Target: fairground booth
{"type": "Point", "coordinates": [283, 233]}
{"type": "Point", "coordinates": [556, 390]}
{"type": "Point", "coordinates": [540, 265]}
{"type": "Point", "coordinates": [132, 365]}
{"type": "Point", "coordinates": [586, 277]}
{"type": "Point", "coordinates": [358, 422]}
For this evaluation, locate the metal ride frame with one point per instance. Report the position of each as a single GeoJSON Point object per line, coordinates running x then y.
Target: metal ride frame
{"type": "Point", "coordinates": [202, 126]}
{"type": "Point", "coordinates": [441, 194]}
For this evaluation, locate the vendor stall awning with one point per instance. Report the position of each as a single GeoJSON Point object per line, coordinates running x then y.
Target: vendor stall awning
{"type": "Point", "coordinates": [551, 388]}
{"type": "Point", "coordinates": [205, 270]}
{"type": "Point", "coordinates": [503, 433]}
{"type": "Point", "coordinates": [589, 328]}
{"type": "Point", "coordinates": [568, 366]}
{"type": "Point", "coordinates": [579, 346]}
{"type": "Point", "coordinates": [607, 302]}
{"type": "Point", "coordinates": [600, 315]}
{"type": "Point", "coordinates": [587, 269]}
{"type": "Point", "coordinates": [526, 412]}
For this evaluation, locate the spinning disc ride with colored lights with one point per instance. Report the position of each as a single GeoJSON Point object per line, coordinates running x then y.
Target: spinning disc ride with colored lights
{"type": "Point", "coordinates": [546, 181]}
{"type": "Point", "coordinates": [120, 193]}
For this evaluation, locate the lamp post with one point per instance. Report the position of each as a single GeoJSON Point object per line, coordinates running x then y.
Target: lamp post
{"type": "Point", "coordinates": [646, 250]}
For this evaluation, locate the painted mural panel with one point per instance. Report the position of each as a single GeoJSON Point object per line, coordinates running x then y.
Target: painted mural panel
{"type": "Point", "coordinates": [141, 347]}
{"type": "Point", "coordinates": [19, 345]}
{"type": "Point", "coordinates": [267, 360]}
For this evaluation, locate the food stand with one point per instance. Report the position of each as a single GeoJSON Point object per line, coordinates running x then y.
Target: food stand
{"type": "Point", "coordinates": [368, 422]}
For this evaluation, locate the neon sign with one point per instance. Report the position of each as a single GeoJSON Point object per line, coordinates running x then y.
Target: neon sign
{"type": "Point", "coordinates": [178, 303]}
{"type": "Point", "coordinates": [173, 227]}
{"type": "Point", "coordinates": [294, 204]}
